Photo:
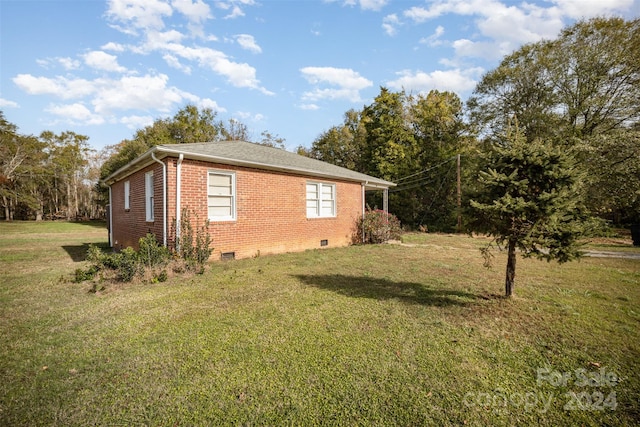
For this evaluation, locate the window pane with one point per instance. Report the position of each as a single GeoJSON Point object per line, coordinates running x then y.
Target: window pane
{"type": "Point", "coordinates": [312, 191]}
{"type": "Point", "coordinates": [219, 180]}
{"type": "Point", "coordinates": [327, 192]}
{"type": "Point", "coordinates": [327, 208]}
{"type": "Point", "coordinates": [221, 191]}
{"type": "Point", "coordinates": [219, 211]}
{"type": "Point", "coordinates": [312, 208]}
{"type": "Point", "coordinates": [219, 201]}
{"type": "Point", "coordinates": [220, 185]}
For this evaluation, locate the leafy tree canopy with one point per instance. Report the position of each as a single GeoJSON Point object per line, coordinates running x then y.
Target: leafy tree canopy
{"type": "Point", "coordinates": [408, 139]}
{"type": "Point", "coordinates": [580, 91]}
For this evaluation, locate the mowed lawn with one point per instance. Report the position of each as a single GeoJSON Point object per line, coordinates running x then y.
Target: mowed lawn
{"type": "Point", "coordinates": [363, 335]}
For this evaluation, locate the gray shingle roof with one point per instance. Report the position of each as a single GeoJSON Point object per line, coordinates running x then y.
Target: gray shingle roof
{"type": "Point", "coordinates": [258, 156]}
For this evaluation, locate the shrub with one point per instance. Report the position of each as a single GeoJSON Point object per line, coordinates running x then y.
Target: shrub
{"type": "Point", "coordinates": [128, 264]}
{"type": "Point", "coordinates": [193, 247]}
{"type": "Point", "coordinates": [82, 275]}
{"type": "Point", "coordinates": [377, 226]}
{"type": "Point", "coordinates": [151, 253]}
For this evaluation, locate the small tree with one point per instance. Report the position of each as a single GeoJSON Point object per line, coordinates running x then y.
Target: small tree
{"type": "Point", "coordinates": [528, 200]}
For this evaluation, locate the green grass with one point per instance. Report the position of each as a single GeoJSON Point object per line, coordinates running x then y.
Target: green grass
{"type": "Point", "coordinates": [364, 335]}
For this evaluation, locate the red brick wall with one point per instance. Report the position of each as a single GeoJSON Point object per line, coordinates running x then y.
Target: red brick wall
{"type": "Point", "coordinates": [270, 210]}
{"type": "Point", "coordinates": [128, 226]}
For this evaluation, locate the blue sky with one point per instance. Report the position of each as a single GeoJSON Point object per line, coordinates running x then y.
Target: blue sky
{"type": "Point", "coordinates": [293, 68]}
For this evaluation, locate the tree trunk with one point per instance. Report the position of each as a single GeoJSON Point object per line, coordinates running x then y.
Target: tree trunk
{"type": "Point", "coordinates": [7, 214]}
{"type": "Point", "coordinates": [68, 201]}
{"type": "Point", "coordinates": [511, 269]}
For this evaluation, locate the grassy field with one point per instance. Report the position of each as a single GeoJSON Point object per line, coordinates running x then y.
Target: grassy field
{"type": "Point", "coordinates": [364, 335]}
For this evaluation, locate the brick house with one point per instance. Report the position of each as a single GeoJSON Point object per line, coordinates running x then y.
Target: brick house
{"type": "Point", "coordinates": [258, 199]}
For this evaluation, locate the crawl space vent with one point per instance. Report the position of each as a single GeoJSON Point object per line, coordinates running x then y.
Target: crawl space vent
{"type": "Point", "coordinates": [324, 242]}
{"type": "Point", "coordinates": [225, 256]}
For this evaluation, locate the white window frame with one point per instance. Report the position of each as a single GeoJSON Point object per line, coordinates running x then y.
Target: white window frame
{"type": "Point", "coordinates": [232, 196]}
{"type": "Point", "coordinates": [127, 195]}
{"type": "Point", "coordinates": [149, 196]}
{"type": "Point", "coordinates": [314, 206]}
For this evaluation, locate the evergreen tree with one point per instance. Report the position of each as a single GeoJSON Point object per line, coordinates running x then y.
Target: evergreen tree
{"type": "Point", "coordinates": [528, 199]}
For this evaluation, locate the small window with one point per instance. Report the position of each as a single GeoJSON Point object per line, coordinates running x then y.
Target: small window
{"type": "Point", "coordinates": [321, 200]}
{"type": "Point", "coordinates": [127, 187]}
{"type": "Point", "coordinates": [148, 195]}
{"type": "Point", "coordinates": [221, 194]}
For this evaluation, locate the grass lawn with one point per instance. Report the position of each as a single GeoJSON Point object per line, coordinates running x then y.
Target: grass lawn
{"type": "Point", "coordinates": [363, 335]}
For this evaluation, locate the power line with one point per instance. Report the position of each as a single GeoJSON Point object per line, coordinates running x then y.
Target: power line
{"type": "Point", "coordinates": [426, 170]}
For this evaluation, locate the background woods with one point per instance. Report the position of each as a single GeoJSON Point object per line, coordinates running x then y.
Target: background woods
{"type": "Point", "coordinates": [50, 176]}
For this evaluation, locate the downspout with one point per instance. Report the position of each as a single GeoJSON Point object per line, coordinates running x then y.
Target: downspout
{"type": "Point", "coordinates": [178, 195]}
{"type": "Point", "coordinates": [164, 198]}
{"type": "Point", "coordinates": [110, 219]}
{"type": "Point", "coordinates": [363, 207]}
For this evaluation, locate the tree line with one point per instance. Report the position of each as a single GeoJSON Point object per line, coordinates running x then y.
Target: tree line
{"type": "Point", "coordinates": [578, 93]}
{"type": "Point", "coordinates": [47, 176]}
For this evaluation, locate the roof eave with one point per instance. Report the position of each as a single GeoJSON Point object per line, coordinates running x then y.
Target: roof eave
{"type": "Point", "coordinates": [378, 183]}
{"type": "Point", "coordinates": [145, 160]}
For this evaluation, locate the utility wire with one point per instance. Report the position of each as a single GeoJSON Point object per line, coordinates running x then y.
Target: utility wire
{"type": "Point", "coordinates": [426, 170]}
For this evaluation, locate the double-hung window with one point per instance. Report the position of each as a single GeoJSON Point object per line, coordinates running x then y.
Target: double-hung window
{"type": "Point", "coordinates": [321, 200]}
{"type": "Point", "coordinates": [221, 193]}
{"type": "Point", "coordinates": [148, 195]}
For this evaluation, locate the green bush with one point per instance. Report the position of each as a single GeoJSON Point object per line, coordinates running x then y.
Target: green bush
{"type": "Point", "coordinates": [128, 264]}
{"type": "Point", "coordinates": [193, 246]}
{"type": "Point", "coordinates": [377, 226]}
{"type": "Point", "coordinates": [151, 253]}
{"type": "Point", "coordinates": [82, 275]}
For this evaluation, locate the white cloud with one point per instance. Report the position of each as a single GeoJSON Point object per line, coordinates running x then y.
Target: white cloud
{"type": "Point", "coordinates": [210, 103]}
{"type": "Point", "coordinates": [136, 93]}
{"type": "Point", "coordinates": [75, 113]}
{"type": "Point", "coordinates": [196, 11]}
{"type": "Point", "coordinates": [69, 63]}
{"type": "Point", "coordinates": [59, 86]}
{"type": "Point", "coordinates": [115, 47]}
{"type": "Point", "coordinates": [589, 8]}
{"type": "Point", "coordinates": [174, 62]}
{"type": "Point", "coordinates": [348, 82]}
{"type": "Point", "coordinates": [136, 122]}
{"type": "Point", "coordinates": [158, 40]}
{"type": "Point", "coordinates": [434, 39]}
{"type": "Point", "coordinates": [103, 61]}
{"type": "Point", "coordinates": [456, 80]}
{"type": "Point", "coordinates": [337, 76]}
{"type": "Point", "coordinates": [504, 27]}
{"type": "Point", "coordinates": [310, 107]}
{"type": "Point", "coordinates": [140, 14]}
{"type": "Point", "coordinates": [247, 42]}
{"type": "Point", "coordinates": [488, 50]}
{"type": "Point", "coordinates": [390, 24]}
{"type": "Point", "coordinates": [238, 74]}
{"type": "Point", "coordinates": [66, 63]}
{"type": "Point", "coordinates": [236, 12]}
{"type": "Point", "coordinates": [372, 4]}
{"type": "Point", "coordinates": [7, 103]}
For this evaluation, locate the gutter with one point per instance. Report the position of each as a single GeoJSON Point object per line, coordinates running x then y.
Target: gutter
{"type": "Point", "coordinates": [164, 198]}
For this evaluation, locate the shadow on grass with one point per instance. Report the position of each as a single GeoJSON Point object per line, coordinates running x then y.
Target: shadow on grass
{"type": "Point", "coordinates": [382, 289]}
{"type": "Point", "coordinates": [78, 253]}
